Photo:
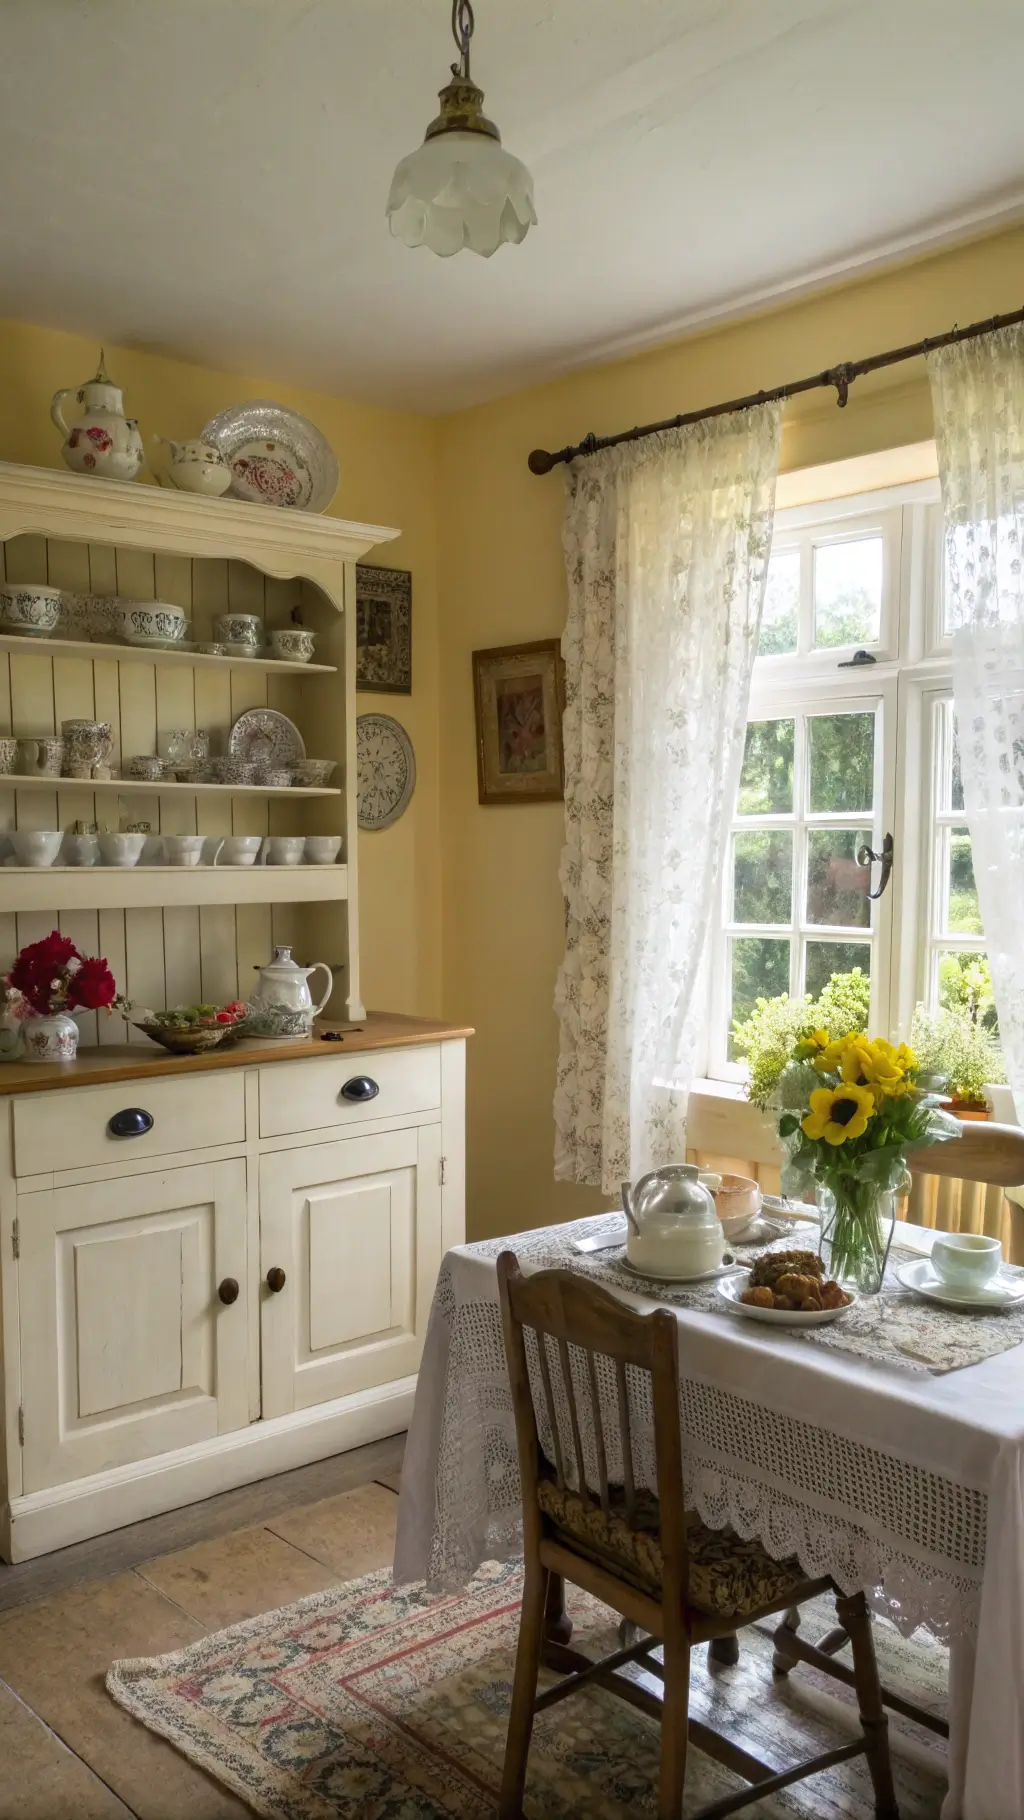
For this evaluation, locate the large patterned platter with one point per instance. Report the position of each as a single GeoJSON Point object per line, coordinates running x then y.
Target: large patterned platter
{"type": "Point", "coordinates": [262, 736]}
{"type": "Point", "coordinates": [276, 457]}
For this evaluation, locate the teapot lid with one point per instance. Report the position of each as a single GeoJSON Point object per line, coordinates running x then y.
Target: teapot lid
{"type": "Point", "coordinates": [283, 963]}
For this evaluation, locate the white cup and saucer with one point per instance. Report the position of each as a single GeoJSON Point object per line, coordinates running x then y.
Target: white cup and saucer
{"type": "Point", "coordinates": [963, 1271]}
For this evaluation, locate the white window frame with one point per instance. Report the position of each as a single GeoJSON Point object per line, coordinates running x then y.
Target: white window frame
{"type": "Point", "coordinates": [911, 673]}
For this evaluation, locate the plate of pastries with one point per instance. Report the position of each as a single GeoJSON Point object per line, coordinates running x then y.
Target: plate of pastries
{"type": "Point", "coordinates": [788, 1289]}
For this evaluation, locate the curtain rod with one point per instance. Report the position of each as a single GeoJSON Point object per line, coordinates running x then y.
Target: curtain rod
{"type": "Point", "coordinates": [542, 461]}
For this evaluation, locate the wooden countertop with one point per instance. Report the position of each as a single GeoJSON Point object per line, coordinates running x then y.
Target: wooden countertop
{"type": "Point", "coordinates": [129, 1062]}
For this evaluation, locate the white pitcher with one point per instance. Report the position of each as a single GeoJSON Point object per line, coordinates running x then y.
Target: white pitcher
{"type": "Point", "coordinates": [282, 1004]}
{"type": "Point", "coordinates": [105, 442]}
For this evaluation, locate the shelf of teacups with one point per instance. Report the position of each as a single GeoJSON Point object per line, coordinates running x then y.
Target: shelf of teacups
{"type": "Point", "coordinates": [58, 888]}
{"type": "Point", "coordinates": [125, 786]}
{"type": "Point", "coordinates": [93, 649]}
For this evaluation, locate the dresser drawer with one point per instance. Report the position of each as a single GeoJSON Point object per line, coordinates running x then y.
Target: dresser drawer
{"type": "Point", "coordinates": [312, 1096]}
{"type": "Point", "coordinates": [69, 1129]}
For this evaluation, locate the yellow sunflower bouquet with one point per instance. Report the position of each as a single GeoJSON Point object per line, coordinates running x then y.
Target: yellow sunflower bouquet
{"type": "Point", "coordinates": [852, 1107]}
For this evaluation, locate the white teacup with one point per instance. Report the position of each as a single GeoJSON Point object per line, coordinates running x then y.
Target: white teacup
{"type": "Point", "coordinates": [33, 847]}
{"type": "Point", "coordinates": [966, 1260]}
{"type": "Point", "coordinates": [285, 849]}
{"type": "Point", "coordinates": [184, 849]}
{"type": "Point", "coordinates": [239, 850]}
{"type": "Point", "coordinates": [322, 849]}
{"type": "Point", "coordinates": [121, 849]}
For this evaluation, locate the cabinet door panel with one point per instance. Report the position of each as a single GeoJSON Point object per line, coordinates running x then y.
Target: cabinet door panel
{"type": "Point", "coordinates": [127, 1350]}
{"type": "Point", "coordinates": [356, 1227]}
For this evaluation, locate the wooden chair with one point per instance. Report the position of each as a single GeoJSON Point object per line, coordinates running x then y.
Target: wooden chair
{"type": "Point", "coordinates": [994, 1156]}
{"type": "Point", "coordinates": [660, 1568]}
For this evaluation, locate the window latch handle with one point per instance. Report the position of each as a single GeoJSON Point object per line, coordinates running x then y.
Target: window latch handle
{"type": "Point", "coordinates": [866, 856]}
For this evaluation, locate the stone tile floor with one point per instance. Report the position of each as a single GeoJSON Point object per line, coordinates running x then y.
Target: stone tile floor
{"type": "Point", "coordinates": [66, 1751]}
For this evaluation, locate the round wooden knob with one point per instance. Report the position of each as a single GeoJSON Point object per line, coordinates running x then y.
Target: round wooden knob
{"type": "Point", "coordinates": [275, 1278]}
{"type": "Point", "coordinates": [228, 1291]}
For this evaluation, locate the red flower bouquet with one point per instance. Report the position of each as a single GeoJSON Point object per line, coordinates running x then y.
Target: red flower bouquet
{"type": "Point", "coordinates": [52, 977]}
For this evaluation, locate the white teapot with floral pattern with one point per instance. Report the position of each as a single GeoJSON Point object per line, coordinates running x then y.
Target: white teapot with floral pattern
{"type": "Point", "coordinates": [104, 442]}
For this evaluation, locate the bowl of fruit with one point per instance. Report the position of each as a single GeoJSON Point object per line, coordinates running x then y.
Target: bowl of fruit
{"type": "Point", "coordinates": [193, 1029]}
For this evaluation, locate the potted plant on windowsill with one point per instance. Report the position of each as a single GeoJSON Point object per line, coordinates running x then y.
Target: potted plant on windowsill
{"type": "Point", "coordinates": [958, 1043]}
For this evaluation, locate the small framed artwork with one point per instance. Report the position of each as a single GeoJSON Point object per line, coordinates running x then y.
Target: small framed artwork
{"type": "Point", "coordinates": [383, 630]}
{"type": "Point", "coordinates": [520, 696]}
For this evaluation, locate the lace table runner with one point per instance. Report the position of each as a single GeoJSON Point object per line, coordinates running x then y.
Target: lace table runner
{"type": "Point", "coordinates": [893, 1328]}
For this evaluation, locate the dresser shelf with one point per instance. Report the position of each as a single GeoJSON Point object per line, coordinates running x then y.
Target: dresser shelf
{"type": "Point", "coordinates": [46, 888]}
{"type": "Point", "coordinates": [140, 654]}
{"type": "Point", "coordinates": [136, 786]}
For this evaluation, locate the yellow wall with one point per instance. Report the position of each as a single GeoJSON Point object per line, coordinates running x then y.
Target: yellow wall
{"type": "Point", "coordinates": [388, 471]}
{"type": "Point", "coordinates": [502, 582]}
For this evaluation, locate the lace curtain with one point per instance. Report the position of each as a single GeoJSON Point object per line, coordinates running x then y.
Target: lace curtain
{"type": "Point", "coordinates": [978, 403]}
{"type": "Point", "coordinates": [666, 548]}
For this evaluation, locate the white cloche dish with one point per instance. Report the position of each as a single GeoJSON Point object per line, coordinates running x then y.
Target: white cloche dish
{"type": "Point", "coordinates": [672, 1227]}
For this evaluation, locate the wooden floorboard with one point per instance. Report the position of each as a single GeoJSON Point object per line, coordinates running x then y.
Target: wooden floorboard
{"type": "Point", "coordinates": [122, 1549]}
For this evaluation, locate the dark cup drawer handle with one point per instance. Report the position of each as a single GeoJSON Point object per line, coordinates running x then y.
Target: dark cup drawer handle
{"type": "Point", "coordinates": [360, 1088]}
{"type": "Point", "coordinates": [134, 1121]}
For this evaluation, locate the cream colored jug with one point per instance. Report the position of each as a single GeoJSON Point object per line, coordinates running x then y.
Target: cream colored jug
{"type": "Point", "coordinates": [105, 442]}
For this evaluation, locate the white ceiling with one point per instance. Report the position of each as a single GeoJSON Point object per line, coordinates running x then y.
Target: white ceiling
{"type": "Point", "coordinates": [208, 177]}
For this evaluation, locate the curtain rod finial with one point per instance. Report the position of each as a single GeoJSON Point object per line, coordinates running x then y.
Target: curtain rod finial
{"type": "Point", "coordinates": [541, 461]}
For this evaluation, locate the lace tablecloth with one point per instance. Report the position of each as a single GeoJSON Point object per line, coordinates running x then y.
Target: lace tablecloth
{"type": "Point", "coordinates": [886, 1477]}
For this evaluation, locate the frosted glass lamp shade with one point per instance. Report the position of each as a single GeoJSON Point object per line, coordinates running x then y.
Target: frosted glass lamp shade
{"type": "Point", "coordinates": [461, 189]}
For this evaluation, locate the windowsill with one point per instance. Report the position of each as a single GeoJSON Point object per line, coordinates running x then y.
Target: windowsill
{"type": "Point", "coordinates": [1000, 1097]}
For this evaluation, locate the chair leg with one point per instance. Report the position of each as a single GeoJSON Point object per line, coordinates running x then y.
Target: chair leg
{"type": "Point", "coordinates": [724, 1651]}
{"type": "Point", "coordinates": [675, 1720]}
{"type": "Point", "coordinates": [782, 1661]}
{"type": "Point", "coordinates": [524, 1693]}
{"type": "Point", "coordinates": [855, 1618]}
{"type": "Point", "coordinates": [557, 1622]}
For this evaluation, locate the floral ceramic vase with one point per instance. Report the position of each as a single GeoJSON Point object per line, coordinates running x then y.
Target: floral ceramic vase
{"type": "Point", "coordinates": [50, 1039]}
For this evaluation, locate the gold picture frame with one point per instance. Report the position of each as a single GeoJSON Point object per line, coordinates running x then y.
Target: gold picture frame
{"type": "Point", "coordinates": [520, 698]}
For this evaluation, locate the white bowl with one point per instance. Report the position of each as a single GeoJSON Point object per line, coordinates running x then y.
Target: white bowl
{"type": "Point", "coordinates": [965, 1260]}
{"type": "Point", "coordinates": [121, 849]}
{"type": "Point", "coordinates": [149, 619]}
{"type": "Point", "coordinates": [30, 608]}
{"type": "Point", "coordinates": [35, 847]}
{"type": "Point", "coordinates": [322, 849]}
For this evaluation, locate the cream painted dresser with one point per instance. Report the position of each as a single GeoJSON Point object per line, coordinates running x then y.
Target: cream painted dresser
{"type": "Point", "coordinates": [214, 1268]}
{"type": "Point", "coordinates": [217, 1268]}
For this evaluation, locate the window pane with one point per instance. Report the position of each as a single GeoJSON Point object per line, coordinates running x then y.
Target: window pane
{"type": "Point", "coordinates": [963, 916]}
{"type": "Point", "coordinates": [964, 983]}
{"type": "Point", "coordinates": [766, 781]}
{"type": "Point", "coordinates": [760, 969]}
{"type": "Point", "coordinates": [848, 593]}
{"type": "Point", "coordinates": [956, 782]}
{"type": "Point", "coordinates": [837, 888]}
{"type": "Point", "coordinates": [781, 616]}
{"type": "Point", "coordinates": [842, 762]}
{"type": "Point", "coordinates": [826, 958]}
{"type": "Point", "coordinates": [763, 878]}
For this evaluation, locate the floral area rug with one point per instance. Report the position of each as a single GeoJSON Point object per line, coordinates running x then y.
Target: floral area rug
{"type": "Point", "coordinates": [369, 1702]}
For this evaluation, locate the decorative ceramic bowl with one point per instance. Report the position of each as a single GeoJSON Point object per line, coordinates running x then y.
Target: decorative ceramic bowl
{"type": "Point", "coordinates": [228, 771]}
{"type": "Point", "coordinates": [274, 777]}
{"type": "Point", "coordinates": [8, 756]}
{"type": "Point", "coordinates": [240, 629]}
{"type": "Point", "coordinates": [293, 645]}
{"type": "Point", "coordinates": [187, 1042]}
{"type": "Point", "coordinates": [313, 773]}
{"type": "Point", "coordinates": [31, 609]}
{"type": "Point", "coordinates": [146, 768]}
{"type": "Point", "coordinates": [150, 620]}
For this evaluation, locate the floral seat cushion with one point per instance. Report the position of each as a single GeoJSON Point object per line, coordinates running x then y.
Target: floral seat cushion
{"type": "Point", "coordinates": [728, 1576]}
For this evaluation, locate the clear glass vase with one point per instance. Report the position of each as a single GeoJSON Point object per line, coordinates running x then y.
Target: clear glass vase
{"type": "Point", "coordinates": [857, 1221]}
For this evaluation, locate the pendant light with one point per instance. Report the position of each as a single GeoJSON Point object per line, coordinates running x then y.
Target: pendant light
{"type": "Point", "coordinates": [460, 188]}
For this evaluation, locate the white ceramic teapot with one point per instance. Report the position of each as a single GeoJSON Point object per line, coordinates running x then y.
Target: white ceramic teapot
{"type": "Point", "coordinates": [105, 443]}
{"type": "Point", "coordinates": [282, 1004]}
{"type": "Point", "coordinates": [673, 1229]}
{"type": "Point", "coordinates": [197, 467]}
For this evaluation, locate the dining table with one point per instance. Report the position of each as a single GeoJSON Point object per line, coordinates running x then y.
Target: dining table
{"type": "Point", "coordinates": [899, 1472]}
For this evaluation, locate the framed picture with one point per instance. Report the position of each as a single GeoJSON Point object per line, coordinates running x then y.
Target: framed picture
{"type": "Point", "coordinates": [383, 630]}
{"type": "Point", "coordinates": [520, 695]}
